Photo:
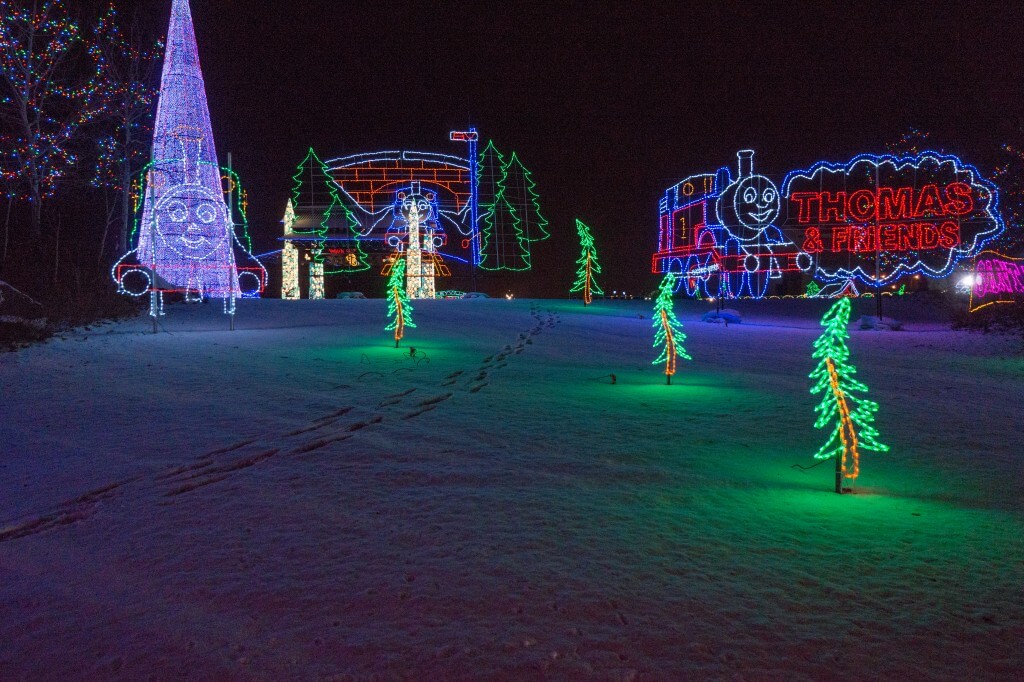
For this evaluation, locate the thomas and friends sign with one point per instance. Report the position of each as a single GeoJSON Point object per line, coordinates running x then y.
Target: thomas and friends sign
{"type": "Point", "coordinates": [874, 219]}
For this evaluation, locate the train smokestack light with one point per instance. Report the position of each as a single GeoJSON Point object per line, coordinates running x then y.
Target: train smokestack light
{"type": "Point", "coordinates": [746, 157]}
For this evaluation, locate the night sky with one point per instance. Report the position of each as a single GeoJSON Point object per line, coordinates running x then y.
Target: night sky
{"type": "Point", "coordinates": [608, 103]}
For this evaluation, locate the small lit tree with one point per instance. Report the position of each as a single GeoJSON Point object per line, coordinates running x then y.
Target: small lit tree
{"type": "Point", "coordinates": [668, 330]}
{"type": "Point", "coordinates": [585, 282]}
{"type": "Point", "coordinates": [853, 416]}
{"type": "Point", "coordinates": [399, 308]}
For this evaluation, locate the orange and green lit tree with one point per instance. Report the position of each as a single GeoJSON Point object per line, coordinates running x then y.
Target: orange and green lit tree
{"type": "Point", "coordinates": [850, 416]}
{"type": "Point", "coordinates": [589, 267]}
{"type": "Point", "coordinates": [399, 308]}
{"type": "Point", "coordinates": [668, 330]}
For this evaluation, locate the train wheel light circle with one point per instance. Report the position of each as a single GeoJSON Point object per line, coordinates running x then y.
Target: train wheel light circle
{"type": "Point", "coordinates": [751, 263]}
{"type": "Point", "coordinates": [136, 282]}
{"type": "Point", "coordinates": [249, 284]}
{"type": "Point", "coordinates": [804, 261]}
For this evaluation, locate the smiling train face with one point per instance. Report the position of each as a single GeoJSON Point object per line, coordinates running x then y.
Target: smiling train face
{"type": "Point", "coordinates": [192, 221]}
{"type": "Point", "coordinates": [750, 204]}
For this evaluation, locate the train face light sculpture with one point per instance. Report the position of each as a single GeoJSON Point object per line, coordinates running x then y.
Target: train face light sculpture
{"type": "Point", "coordinates": [719, 234]}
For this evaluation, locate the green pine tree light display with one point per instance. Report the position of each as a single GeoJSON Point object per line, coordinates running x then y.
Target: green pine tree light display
{"type": "Point", "coordinates": [510, 218]}
{"type": "Point", "coordinates": [589, 267]}
{"type": "Point", "coordinates": [316, 200]}
{"type": "Point", "coordinates": [850, 416]}
{"type": "Point", "coordinates": [399, 307]}
{"type": "Point", "coordinates": [668, 330]}
{"type": "Point", "coordinates": [520, 191]}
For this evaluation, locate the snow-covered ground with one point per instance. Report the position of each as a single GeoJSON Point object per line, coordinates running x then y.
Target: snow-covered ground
{"type": "Point", "coordinates": [300, 500]}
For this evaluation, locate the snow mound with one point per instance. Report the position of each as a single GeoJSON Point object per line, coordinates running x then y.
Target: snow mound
{"type": "Point", "coordinates": [717, 317]}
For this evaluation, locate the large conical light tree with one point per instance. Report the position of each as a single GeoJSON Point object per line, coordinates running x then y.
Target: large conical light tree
{"type": "Point", "coordinates": [186, 234]}
{"type": "Point", "coordinates": [589, 267]}
{"type": "Point", "coordinates": [399, 307]}
{"type": "Point", "coordinates": [849, 416]}
{"type": "Point", "coordinates": [668, 330]}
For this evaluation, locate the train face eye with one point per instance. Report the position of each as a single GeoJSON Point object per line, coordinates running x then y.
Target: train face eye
{"type": "Point", "coordinates": [750, 195]}
{"type": "Point", "coordinates": [206, 213]}
{"type": "Point", "coordinates": [769, 196]}
{"type": "Point", "coordinates": [178, 212]}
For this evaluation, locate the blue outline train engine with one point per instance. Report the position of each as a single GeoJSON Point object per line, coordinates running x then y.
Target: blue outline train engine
{"type": "Point", "coordinates": [719, 234]}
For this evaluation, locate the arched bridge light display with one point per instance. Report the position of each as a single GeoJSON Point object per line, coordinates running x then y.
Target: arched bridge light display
{"type": "Point", "coordinates": [186, 239]}
{"type": "Point", "coordinates": [482, 212]}
{"type": "Point", "coordinates": [720, 236]}
{"type": "Point", "coordinates": [879, 218]}
{"type": "Point", "coordinates": [375, 187]}
{"type": "Point", "coordinates": [873, 219]}
{"type": "Point", "coordinates": [996, 279]}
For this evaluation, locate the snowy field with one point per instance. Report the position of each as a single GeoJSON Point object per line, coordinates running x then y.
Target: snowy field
{"type": "Point", "coordinates": [300, 500]}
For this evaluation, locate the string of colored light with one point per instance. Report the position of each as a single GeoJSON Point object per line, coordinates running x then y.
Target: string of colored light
{"type": "Point", "coordinates": [38, 46]}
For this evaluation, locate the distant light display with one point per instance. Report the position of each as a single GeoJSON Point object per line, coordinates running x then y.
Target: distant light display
{"type": "Point", "coordinates": [996, 279]}
{"type": "Point", "coordinates": [586, 284]}
{"type": "Point", "coordinates": [186, 234]}
{"type": "Point", "coordinates": [872, 220]}
{"type": "Point", "coordinates": [668, 330]}
{"type": "Point", "coordinates": [850, 416]}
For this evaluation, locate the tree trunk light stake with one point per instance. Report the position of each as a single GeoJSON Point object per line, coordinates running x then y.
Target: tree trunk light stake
{"type": "Point", "coordinates": [846, 432]}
